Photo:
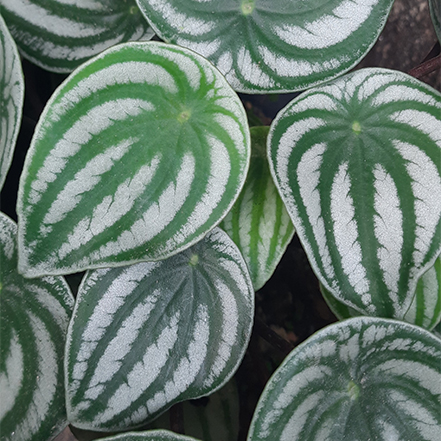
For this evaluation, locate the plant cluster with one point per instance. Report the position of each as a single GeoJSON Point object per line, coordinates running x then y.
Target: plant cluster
{"type": "Point", "coordinates": [144, 180]}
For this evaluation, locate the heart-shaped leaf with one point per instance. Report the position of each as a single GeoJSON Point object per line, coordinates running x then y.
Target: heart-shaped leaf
{"type": "Point", "coordinates": [357, 163]}
{"type": "Point", "coordinates": [146, 336]}
{"type": "Point", "coordinates": [11, 98]}
{"type": "Point", "coordinates": [272, 45]}
{"type": "Point", "coordinates": [60, 35]}
{"type": "Point", "coordinates": [364, 378]}
{"type": "Point", "coordinates": [34, 315]}
{"type": "Point", "coordinates": [150, 435]}
{"type": "Point", "coordinates": [139, 154]}
{"type": "Point", "coordinates": [258, 223]}
{"type": "Point", "coordinates": [424, 311]}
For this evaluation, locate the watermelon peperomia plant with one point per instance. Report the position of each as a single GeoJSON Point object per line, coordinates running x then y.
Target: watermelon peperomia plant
{"type": "Point", "coordinates": [144, 180]}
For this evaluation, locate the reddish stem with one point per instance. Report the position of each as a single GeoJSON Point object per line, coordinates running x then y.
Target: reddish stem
{"type": "Point", "coordinates": [426, 67]}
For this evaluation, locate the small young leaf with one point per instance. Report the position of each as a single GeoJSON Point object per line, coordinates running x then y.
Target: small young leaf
{"type": "Point", "coordinates": [146, 336]}
{"type": "Point", "coordinates": [364, 378]}
{"type": "Point", "coordinates": [137, 155]}
{"type": "Point", "coordinates": [258, 223]}
{"type": "Point", "coordinates": [60, 35]}
{"type": "Point", "coordinates": [424, 311]}
{"type": "Point", "coordinates": [34, 315]}
{"type": "Point", "coordinates": [11, 98]}
{"type": "Point", "coordinates": [272, 45]}
{"type": "Point", "coordinates": [357, 163]}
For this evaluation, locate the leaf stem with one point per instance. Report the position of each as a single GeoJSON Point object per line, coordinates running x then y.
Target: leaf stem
{"type": "Point", "coordinates": [426, 67]}
{"type": "Point", "coordinates": [177, 419]}
{"type": "Point", "coordinates": [272, 337]}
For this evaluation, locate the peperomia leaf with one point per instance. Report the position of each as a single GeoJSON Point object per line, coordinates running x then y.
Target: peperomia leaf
{"type": "Point", "coordinates": [212, 418]}
{"type": "Point", "coordinates": [149, 335]}
{"type": "Point", "coordinates": [258, 223]}
{"type": "Point", "coordinates": [34, 315]}
{"type": "Point", "coordinates": [60, 35]}
{"type": "Point", "coordinates": [150, 435]}
{"type": "Point", "coordinates": [364, 378]}
{"type": "Point", "coordinates": [137, 155]}
{"type": "Point", "coordinates": [425, 309]}
{"type": "Point", "coordinates": [272, 45]}
{"type": "Point", "coordinates": [357, 163]}
{"type": "Point", "coordinates": [11, 98]}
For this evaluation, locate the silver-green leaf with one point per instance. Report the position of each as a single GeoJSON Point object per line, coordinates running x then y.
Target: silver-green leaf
{"type": "Point", "coordinates": [272, 45]}
{"type": "Point", "coordinates": [137, 155]}
{"type": "Point", "coordinates": [59, 35]}
{"type": "Point", "coordinates": [258, 223]}
{"type": "Point", "coordinates": [364, 378]}
{"type": "Point", "coordinates": [146, 336]}
{"type": "Point", "coordinates": [357, 163]}
{"type": "Point", "coordinates": [34, 315]}
{"type": "Point", "coordinates": [150, 435]}
{"type": "Point", "coordinates": [11, 98]}
{"type": "Point", "coordinates": [425, 309]}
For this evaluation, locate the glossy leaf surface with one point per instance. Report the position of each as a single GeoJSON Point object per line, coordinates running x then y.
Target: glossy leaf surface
{"type": "Point", "coordinates": [258, 223]}
{"type": "Point", "coordinates": [272, 45]}
{"type": "Point", "coordinates": [358, 379]}
{"type": "Point", "coordinates": [425, 309]}
{"type": "Point", "coordinates": [357, 163]}
{"type": "Point", "coordinates": [137, 156]}
{"type": "Point", "coordinates": [11, 98]}
{"type": "Point", "coordinates": [34, 315]}
{"type": "Point", "coordinates": [146, 336]}
{"type": "Point", "coordinates": [59, 35]}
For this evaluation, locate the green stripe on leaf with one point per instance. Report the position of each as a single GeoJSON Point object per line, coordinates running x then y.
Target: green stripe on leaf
{"type": "Point", "coordinates": [258, 222]}
{"type": "Point", "coordinates": [127, 321]}
{"type": "Point", "coordinates": [365, 202]}
{"type": "Point", "coordinates": [363, 377]}
{"type": "Point", "coordinates": [137, 155]}
{"type": "Point", "coordinates": [272, 45]}
{"type": "Point", "coordinates": [34, 318]}
{"type": "Point", "coordinates": [59, 36]}
{"type": "Point", "coordinates": [11, 98]}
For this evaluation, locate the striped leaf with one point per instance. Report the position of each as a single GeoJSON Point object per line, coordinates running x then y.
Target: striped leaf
{"type": "Point", "coordinates": [364, 378]}
{"type": "Point", "coordinates": [34, 315]}
{"type": "Point", "coordinates": [137, 156]}
{"type": "Point", "coordinates": [11, 98]}
{"type": "Point", "coordinates": [59, 35]}
{"type": "Point", "coordinates": [272, 45]}
{"type": "Point", "coordinates": [213, 418]}
{"type": "Point", "coordinates": [258, 223]}
{"type": "Point", "coordinates": [146, 336]}
{"type": "Point", "coordinates": [357, 163]}
{"type": "Point", "coordinates": [425, 309]}
{"type": "Point", "coordinates": [151, 435]}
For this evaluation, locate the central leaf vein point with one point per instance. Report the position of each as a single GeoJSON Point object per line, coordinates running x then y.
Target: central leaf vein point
{"type": "Point", "coordinates": [247, 7]}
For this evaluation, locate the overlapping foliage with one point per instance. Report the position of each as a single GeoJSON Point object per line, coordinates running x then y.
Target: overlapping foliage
{"type": "Point", "coordinates": [145, 149]}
